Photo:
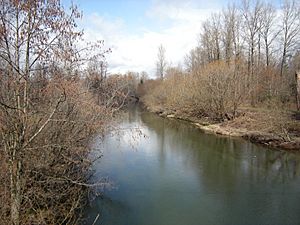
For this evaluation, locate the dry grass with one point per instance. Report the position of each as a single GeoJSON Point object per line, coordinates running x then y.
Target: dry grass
{"type": "Point", "coordinates": [267, 120]}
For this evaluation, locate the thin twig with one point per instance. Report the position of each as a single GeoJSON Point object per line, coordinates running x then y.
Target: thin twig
{"type": "Point", "coordinates": [96, 219]}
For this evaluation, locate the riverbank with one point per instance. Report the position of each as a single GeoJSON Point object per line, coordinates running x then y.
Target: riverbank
{"type": "Point", "coordinates": [260, 126]}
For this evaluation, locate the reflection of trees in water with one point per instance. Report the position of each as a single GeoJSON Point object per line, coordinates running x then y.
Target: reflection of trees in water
{"type": "Point", "coordinates": [158, 125]}
{"type": "Point", "coordinates": [104, 206]}
{"type": "Point", "coordinates": [132, 113]}
{"type": "Point", "coordinates": [220, 159]}
{"type": "Point", "coordinates": [286, 164]}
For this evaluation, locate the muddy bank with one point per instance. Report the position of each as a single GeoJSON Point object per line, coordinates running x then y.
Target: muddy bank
{"type": "Point", "coordinates": [229, 128]}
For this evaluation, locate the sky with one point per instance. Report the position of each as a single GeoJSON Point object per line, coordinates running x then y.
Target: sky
{"type": "Point", "coordinates": [134, 29]}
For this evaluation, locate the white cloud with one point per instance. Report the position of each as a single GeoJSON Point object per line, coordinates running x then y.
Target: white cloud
{"type": "Point", "coordinates": [98, 27]}
{"type": "Point", "coordinates": [137, 51]}
{"type": "Point", "coordinates": [184, 11]}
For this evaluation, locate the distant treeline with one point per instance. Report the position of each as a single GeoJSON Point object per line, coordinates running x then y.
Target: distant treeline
{"type": "Point", "coordinates": [247, 54]}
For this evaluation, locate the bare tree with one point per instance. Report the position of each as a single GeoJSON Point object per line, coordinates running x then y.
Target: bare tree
{"type": "Point", "coordinates": [34, 34]}
{"type": "Point", "coordinates": [252, 15]}
{"type": "Point", "coordinates": [194, 60]}
{"type": "Point", "coordinates": [216, 35]}
{"type": "Point", "coordinates": [206, 41]}
{"type": "Point", "coordinates": [297, 76]}
{"type": "Point", "coordinates": [231, 33]}
{"type": "Point", "coordinates": [268, 32]}
{"type": "Point", "coordinates": [143, 77]}
{"type": "Point", "coordinates": [290, 30]}
{"type": "Point", "coordinates": [161, 63]}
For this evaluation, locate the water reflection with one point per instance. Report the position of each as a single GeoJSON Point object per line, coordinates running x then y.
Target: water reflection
{"type": "Point", "coordinates": [179, 175]}
{"type": "Point", "coordinates": [223, 154]}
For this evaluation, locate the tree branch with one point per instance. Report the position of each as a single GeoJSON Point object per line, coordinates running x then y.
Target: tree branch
{"type": "Point", "coordinates": [61, 99]}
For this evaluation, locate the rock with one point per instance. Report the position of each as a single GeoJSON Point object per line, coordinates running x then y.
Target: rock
{"type": "Point", "coordinates": [171, 116]}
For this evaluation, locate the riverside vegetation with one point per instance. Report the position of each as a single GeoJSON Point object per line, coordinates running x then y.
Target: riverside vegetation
{"type": "Point", "coordinates": [241, 79]}
{"type": "Point", "coordinates": [51, 106]}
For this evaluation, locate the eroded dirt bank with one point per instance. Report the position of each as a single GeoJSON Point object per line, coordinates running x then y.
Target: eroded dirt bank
{"type": "Point", "coordinates": [254, 125]}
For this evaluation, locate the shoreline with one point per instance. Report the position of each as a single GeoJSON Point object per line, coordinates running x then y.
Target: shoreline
{"type": "Point", "coordinates": [266, 139]}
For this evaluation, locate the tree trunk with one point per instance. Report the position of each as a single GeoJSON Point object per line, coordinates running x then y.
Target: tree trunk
{"type": "Point", "coordinates": [283, 60]}
{"type": "Point", "coordinates": [252, 79]}
{"type": "Point", "coordinates": [15, 191]}
{"type": "Point", "coordinates": [297, 75]}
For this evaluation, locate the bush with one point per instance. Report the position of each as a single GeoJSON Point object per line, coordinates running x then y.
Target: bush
{"type": "Point", "coordinates": [215, 91]}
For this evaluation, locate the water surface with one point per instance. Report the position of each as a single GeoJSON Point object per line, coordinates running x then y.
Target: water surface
{"type": "Point", "coordinates": [177, 175]}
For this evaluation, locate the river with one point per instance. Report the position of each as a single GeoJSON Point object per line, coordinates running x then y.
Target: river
{"type": "Point", "coordinates": [174, 174]}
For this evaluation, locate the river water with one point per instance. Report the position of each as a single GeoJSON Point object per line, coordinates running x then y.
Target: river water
{"type": "Point", "coordinates": [177, 175]}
